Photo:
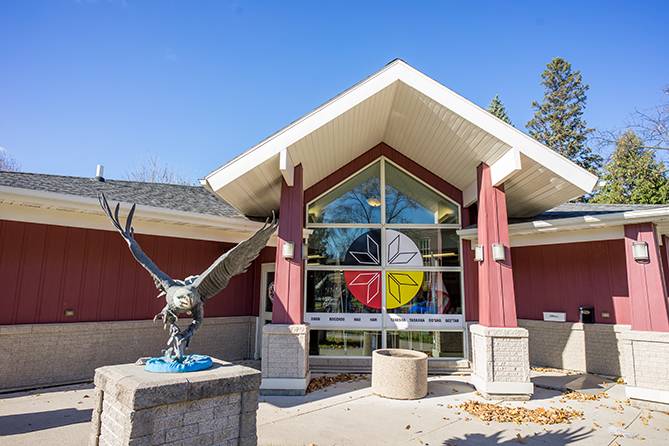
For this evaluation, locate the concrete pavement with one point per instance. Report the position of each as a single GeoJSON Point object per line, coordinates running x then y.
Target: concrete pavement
{"type": "Point", "coordinates": [348, 414]}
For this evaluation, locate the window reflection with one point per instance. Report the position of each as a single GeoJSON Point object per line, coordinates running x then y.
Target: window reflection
{"type": "Point", "coordinates": [357, 200]}
{"type": "Point", "coordinates": [343, 342]}
{"type": "Point", "coordinates": [410, 201]}
{"type": "Point", "coordinates": [435, 344]}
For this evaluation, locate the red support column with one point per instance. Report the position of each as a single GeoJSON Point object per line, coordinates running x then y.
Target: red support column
{"type": "Point", "coordinates": [497, 304]}
{"type": "Point", "coordinates": [289, 276]}
{"type": "Point", "coordinates": [647, 290]}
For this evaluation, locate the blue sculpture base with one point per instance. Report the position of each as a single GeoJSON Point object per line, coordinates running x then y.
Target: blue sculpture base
{"type": "Point", "coordinates": [190, 363]}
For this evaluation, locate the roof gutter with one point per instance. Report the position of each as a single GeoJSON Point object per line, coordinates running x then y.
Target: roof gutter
{"type": "Point", "coordinates": [66, 202]}
{"type": "Point", "coordinates": [577, 223]}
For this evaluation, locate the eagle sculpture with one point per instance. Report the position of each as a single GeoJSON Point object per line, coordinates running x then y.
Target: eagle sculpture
{"type": "Point", "coordinates": [190, 294]}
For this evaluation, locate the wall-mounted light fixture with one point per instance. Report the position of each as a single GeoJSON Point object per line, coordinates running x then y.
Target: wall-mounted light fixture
{"type": "Point", "coordinates": [498, 253]}
{"type": "Point", "coordinates": [288, 250]}
{"type": "Point", "coordinates": [478, 253]}
{"type": "Point", "coordinates": [640, 251]}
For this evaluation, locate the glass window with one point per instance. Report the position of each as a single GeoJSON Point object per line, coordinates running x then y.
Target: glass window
{"type": "Point", "coordinates": [343, 291]}
{"type": "Point", "coordinates": [423, 292]}
{"type": "Point", "coordinates": [435, 344]}
{"type": "Point", "coordinates": [437, 247]}
{"type": "Point", "coordinates": [343, 342]}
{"type": "Point", "coordinates": [408, 201]}
{"type": "Point", "coordinates": [344, 246]}
{"type": "Point", "coordinates": [357, 200]}
{"type": "Point", "coordinates": [391, 279]}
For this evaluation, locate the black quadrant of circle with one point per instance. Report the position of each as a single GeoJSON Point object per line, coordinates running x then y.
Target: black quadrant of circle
{"type": "Point", "coordinates": [365, 250]}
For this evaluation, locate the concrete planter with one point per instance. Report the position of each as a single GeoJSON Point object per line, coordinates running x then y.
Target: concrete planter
{"type": "Point", "coordinates": [399, 374]}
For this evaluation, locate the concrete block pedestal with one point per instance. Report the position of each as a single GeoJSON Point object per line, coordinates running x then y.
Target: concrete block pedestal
{"type": "Point", "coordinates": [645, 364]}
{"type": "Point", "coordinates": [285, 359]}
{"type": "Point", "coordinates": [501, 362]}
{"type": "Point", "coordinates": [211, 407]}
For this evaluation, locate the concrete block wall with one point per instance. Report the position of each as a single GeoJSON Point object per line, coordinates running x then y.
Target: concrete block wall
{"type": "Point", "coordinates": [594, 348]}
{"type": "Point", "coordinates": [646, 359]}
{"type": "Point", "coordinates": [285, 351]}
{"type": "Point", "coordinates": [49, 354]}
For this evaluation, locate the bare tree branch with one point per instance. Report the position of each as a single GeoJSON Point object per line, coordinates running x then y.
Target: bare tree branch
{"type": "Point", "coordinates": [7, 162]}
{"type": "Point", "coordinates": [153, 171]}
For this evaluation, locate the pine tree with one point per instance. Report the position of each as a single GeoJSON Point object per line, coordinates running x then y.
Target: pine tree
{"type": "Point", "coordinates": [497, 108]}
{"type": "Point", "coordinates": [633, 175]}
{"type": "Point", "coordinates": [558, 121]}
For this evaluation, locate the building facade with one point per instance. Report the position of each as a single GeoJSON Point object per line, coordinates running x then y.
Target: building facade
{"type": "Point", "coordinates": [409, 218]}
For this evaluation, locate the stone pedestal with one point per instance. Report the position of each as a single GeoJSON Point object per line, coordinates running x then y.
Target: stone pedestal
{"type": "Point", "coordinates": [645, 368]}
{"type": "Point", "coordinates": [501, 362]}
{"type": "Point", "coordinates": [285, 359]}
{"type": "Point", "coordinates": [212, 407]}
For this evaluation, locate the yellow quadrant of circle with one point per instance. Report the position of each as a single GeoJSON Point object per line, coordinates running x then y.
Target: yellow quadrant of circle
{"type": "Point", "coordinates": [401, 287]}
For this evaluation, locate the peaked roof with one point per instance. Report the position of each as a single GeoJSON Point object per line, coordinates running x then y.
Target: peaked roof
{"type": "Point", "coordinates": [422, 119]}
{"type": "Point", "coordinates": [167, 196]}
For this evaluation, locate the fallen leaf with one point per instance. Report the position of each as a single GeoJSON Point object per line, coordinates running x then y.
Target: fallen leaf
{"type": "Point", "coordinates": [520, 415]}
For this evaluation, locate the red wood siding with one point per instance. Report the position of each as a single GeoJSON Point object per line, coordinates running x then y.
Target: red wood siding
{"type": "Point", "coordinates": [565, 276]}
{"type": "Point", "coordinates": [47, 269]}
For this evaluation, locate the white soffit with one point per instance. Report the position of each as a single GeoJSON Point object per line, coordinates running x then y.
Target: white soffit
{"type": "Point", "coordinates": [420, 118]}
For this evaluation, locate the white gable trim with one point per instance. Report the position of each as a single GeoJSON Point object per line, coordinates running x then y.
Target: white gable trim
{"type": "Point", "coordinates": [393, 72]}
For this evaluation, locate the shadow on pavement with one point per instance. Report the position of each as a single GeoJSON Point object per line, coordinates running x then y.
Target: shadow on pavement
{"type": "Point", "coordinates": [560, 437]}
{"type": "Point", "coordinates": [36, 421]}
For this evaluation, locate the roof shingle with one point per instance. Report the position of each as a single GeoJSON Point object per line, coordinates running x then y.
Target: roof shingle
{"type": "Point", "coordinates": [168, 196]}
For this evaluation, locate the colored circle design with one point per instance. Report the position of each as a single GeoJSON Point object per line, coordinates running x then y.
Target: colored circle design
{"type": "Point", "coordinates": [401, 285]}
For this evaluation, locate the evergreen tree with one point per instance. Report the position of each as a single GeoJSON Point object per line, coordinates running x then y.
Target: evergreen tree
{"type": "Point", "coordinates": [497, 108]}
{"type": "Point", "coordinates": [558, 121]}
{"type": "Point", "coordinates": [633, 175]}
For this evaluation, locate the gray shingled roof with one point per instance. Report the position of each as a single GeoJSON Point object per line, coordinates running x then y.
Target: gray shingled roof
{"type": "Point", "coordinates": [169, 196]}
{"type": "Point", "coordinates": [568, 210]}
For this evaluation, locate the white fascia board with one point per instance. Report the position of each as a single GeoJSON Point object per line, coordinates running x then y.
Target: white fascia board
{"type": "Point", "coordinates": [576, 223]}
{"type": "Point", "coordinates": [500, 171]}
{"type": "Point", "coordinates": [91, 205]}
{"type": "Point", "coordinates": [286, 166]}
{"type": "Point", "coordinates": [401, 71]}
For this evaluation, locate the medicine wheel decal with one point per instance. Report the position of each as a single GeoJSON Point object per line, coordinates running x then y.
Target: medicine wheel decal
{"type": "Point", "coordinates": [401, 285]}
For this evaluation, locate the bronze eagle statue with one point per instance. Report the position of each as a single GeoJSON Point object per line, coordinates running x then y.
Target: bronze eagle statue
{"type": "Point", "coordinates": [190, 294]}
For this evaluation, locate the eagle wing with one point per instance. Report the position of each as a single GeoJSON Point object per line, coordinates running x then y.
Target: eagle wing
{"type": "Point", "coordinates": [233, 262]}
{"type": "Point", "coordinates": [162, 280]}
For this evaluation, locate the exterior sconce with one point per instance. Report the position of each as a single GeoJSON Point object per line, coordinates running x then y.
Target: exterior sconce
{"type": "Point", "coordinates": [498, 254]}
{"type": "Point", "coordinates": [640, 251]}
{"type": "Point", "coordinates": [478, 253]}
{"type": "Point", "coordinates": [288, 250]}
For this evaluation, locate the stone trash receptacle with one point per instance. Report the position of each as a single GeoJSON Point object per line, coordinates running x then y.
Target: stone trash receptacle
{"type": "Point", "coordinates": [399, 374]}
{"type": "Point", "coordinates": [216, 406]}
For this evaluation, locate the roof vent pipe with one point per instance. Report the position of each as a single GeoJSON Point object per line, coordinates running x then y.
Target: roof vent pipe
{"type": "Point", "coordinates": [99, 172]}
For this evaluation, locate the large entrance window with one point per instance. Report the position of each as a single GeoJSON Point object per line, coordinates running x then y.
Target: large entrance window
{"type": "Point", "coordinates": [384, 266]}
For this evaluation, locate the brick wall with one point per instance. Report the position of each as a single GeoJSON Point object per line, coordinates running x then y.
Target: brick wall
{"type": "Point", "coordinates": [48, 354]}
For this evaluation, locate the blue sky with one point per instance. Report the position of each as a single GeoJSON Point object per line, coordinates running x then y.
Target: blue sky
{"type": "Point", "coordinates": [195, 83]}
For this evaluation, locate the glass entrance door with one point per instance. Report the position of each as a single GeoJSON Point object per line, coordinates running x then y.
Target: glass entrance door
{"type": "Point", "coordinates": [266, 302]}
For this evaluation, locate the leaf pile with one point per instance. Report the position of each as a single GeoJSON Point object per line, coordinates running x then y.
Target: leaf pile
{"type": "Point", "coordinates": [554, 370]}
{"type": "Point", "coordinates": [328, 380]}
{"type": "Point", "coordinates": [520, 415]}
{"type": "Point", "coordinates": [580, 396]}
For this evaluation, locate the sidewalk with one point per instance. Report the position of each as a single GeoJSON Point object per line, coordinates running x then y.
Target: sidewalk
{"type": "Point", "coordinates": [348, 414]}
